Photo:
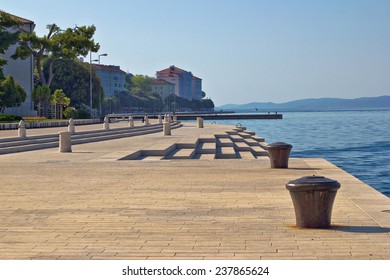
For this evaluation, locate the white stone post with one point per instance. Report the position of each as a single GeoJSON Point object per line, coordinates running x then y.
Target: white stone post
{"type": "Point", "coordinates": [22, 129]}
{"type": "Point", "coordinates": [159, 119]}
{"type": "Point", "coordinates": [65, 142]}
{"type": "Point", "coordinates": [131, 121]}
{"type": "Point", "coordinates": [146, 121]}
{"type": "Point", "coordinates": [71, 127]}
{"type": "Point", "coordinates": [174, 118]}
{"type": "Point", "coordinates": [166, 126]}
{"type": "Point", "coordinates": [199, 122]}
{"type": "Point", "coordinates": [106, 124]}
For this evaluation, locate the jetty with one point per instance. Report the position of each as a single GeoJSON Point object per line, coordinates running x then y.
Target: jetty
{"type": "Point", "coordinates": [199, 193]}
{"type": "Point", "coordinates": [208, 116]}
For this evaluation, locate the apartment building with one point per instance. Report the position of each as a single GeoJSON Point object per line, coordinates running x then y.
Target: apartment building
{"type": "Point", "coordinates": [112, 78]}
{"type": "Point", "coordinates": [186, 85]}
{"type": "Point", "coordinates": [22, 70]}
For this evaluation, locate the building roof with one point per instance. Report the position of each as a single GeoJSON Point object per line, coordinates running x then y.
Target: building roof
{"type": "Point", "coordinates": [196, 78]}
{"type": "Point", "coordinates": [108, 68]}
{"type": "Point", "coordinates": [171, 71]}
{"type": "Point", "coordinates": [22, 20]}
{"type": "Point", "coordinates": [160, 82]}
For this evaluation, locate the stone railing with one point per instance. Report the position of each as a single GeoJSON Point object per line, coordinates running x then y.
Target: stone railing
{"type": "Point", "coordinates": [4, 126]}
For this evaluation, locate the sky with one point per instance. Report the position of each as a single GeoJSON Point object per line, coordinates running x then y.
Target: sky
{"type": "Point", "coordinates": [244, 50]}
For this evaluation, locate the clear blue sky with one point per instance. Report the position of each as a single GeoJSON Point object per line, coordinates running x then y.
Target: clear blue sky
{"type": "Point", "coordinates": [245, 51]}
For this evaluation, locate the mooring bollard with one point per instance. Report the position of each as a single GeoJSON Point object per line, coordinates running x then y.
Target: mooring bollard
{"type": "Point", "coordinates": [279, 153]}
{"type": "Point", "coordinates": [106, 123]}
{"type": "Point", "coordinates": [71, 127]}
{"type": "Point", "coordinates": [166, 126]}
{"type": "Point", "coordinates": [313, 198]}
{"type": "Point", "coordinates": [174, 118]}
{"type": "Point", "coordinates": [131, 121]}
{"type": "Point", "coordinates": [199, 122]}
{"type": "Point", "coordinates": [65, 142]}
{"type": "Point", "coordinates": [22, 129]}
{"type": "Point", "coordinates": [160, 119]}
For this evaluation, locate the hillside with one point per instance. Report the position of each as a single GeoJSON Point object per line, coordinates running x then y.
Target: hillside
{"type": "Point", "coordinates": [320, 104]}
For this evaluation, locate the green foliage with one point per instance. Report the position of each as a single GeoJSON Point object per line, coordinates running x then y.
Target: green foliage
{"type": "Point", "coordinates": [11, 93]}
{"type": "Point", "coordinates": [70, 112]}
{"type": "Point", "coordinates": [42, 96]}
{"type": "Point", "coordinates": [56, 44]}
{"type": "Point", "coordinates": [72, 77]}
{"type": "Point", "coordinates": [83, 113]}
{"type": "Point", "coordinates": [7, 38]}
{"type": "Point", "coordinates": [141, 83]}
{"type": "Point", "coordinates": [60, 100]}
{"type": "Point", "coordinates": [9, 118]}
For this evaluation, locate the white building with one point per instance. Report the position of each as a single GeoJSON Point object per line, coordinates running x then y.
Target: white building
{"type": "Point", "coordinates": [162, 87]}
{"type": "Point", "coordinates": [21, 70]}
{"type": "Point", "coordinates": [186, 85]}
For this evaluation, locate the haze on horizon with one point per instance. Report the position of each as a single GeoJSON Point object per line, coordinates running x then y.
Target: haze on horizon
{"type": "Point", "coordinates": [245, 51]}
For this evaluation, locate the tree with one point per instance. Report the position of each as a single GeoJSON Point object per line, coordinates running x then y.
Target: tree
{"type": "Point", "coordinates": [7, 38]}
{"type": "Point", "coordinates": [11, 93]}
{"type": "Point", "coordinates": [57, 44]}
{"type": "Point", "coordinates": [42, 95]}
{"type": "Point", "coordinates": [60, 100]}
{"type": "Point", "coordinates": [141, 83]}
{"type": "Point", "coordinates": [72, 77]}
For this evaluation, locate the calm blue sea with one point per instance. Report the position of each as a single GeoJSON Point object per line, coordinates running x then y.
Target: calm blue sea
{"type": "Point", "coordinates": [356, 141]}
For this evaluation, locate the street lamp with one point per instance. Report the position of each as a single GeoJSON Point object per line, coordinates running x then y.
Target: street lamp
{"type": "Point", "coordinates": [90, 79]}
{"type": "Point", "coordinates": [100, 95]}
{"type": "Point", "coordinates": [104, 54]}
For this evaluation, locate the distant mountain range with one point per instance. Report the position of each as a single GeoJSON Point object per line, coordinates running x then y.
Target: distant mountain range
{"type": "Point", "coordinates": [319, 104]}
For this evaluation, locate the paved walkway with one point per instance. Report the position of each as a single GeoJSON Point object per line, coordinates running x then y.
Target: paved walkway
{"type": "Point", "coordinates": [89, 205]}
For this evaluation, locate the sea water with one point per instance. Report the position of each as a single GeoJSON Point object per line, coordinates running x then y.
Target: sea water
{"type": "Point", "coordinates": [356, 141]}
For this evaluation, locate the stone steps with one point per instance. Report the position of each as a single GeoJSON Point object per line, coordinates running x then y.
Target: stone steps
{"type": "Point", "coordinates": [181, 154]}
{"type": "Point", "coordinates": [206, 148]}
{"type": "Point", "coordinates": [225, 153]}
{"type": "Point", "coordinates": [15, 145]}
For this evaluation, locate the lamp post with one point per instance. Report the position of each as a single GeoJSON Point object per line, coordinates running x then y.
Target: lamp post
{"type": "Point", "coordinates": [104, 54]}
{"type": "Point", "coordinates": [90, 79]}
{"type": "Point", "coordinates": [100, 95]}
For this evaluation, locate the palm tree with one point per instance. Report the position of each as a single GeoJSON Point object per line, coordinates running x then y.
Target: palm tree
{"type": "Point", "coordinates": [41, 95]}
{"type": "Point", "coordinates": [60, 100]}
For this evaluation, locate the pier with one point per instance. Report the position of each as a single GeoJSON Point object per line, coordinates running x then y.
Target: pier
{"type": "Point", "coordinates": [207, 116]}
{"type": "Point", "coordinates": [98, 202]}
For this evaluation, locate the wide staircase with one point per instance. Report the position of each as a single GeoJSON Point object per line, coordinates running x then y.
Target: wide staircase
{"type": "Point", "coordinates": [237, 143]}
{"type": "Point", "coordinates": [16, 144]}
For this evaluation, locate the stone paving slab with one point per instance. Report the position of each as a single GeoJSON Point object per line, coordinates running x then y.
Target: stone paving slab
{"type": "Point", "coordinates": [87, 205]}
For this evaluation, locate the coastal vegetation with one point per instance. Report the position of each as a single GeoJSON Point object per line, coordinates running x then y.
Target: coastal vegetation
{"type": "Point", "coordinates": [11, 93]}
{"type": "Point", "coordinates": [62, 82]}
{"type": "Point", "coordinates": [139, 96]}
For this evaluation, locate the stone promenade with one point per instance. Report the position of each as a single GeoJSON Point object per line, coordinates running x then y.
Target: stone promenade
{"type": "Point", "coordinates": [89, 205]}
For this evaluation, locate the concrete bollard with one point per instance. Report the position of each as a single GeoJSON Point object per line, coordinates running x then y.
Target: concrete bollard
{"type": "Point", "coordinates": [131, 121]}
{"type": "Point", "coordinates": [146, 121]}
{"type": "Point", "coordinates": [22, 129]}
{"type": "Point", "coordinates": [199, 122]}
{"type": "Point", "coordinates": [106, 123]}
{"type": "Point", "coordinates": [71, 127]}
{"type": "Point", "coordinates": [159, 119]}
{"type": "Point", "coordinates": [279, 153]}
{"type": "Point", "coordinates": [174, 118]}
{"type": "Point", "coordinates": [166, 126]}
{"type": "Point", "coordinates": [65, 142]}
{"type": "Point", "coordinates": [313, 198]}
